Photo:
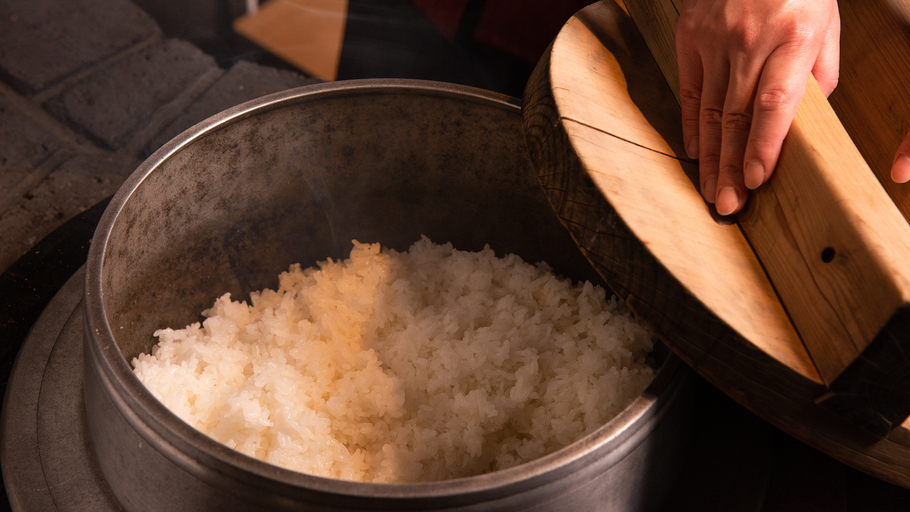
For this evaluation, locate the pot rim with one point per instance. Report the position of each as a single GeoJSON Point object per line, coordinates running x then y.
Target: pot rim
{"type": "Point", "coordinates": [198, 454]}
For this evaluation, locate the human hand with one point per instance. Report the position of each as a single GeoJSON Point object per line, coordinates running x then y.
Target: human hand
{"type": "Point", "coordinates": [743, 69]}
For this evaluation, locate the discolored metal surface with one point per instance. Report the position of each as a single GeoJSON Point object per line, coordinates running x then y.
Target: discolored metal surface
{"type": "Point", "coordinates": [48, 464]}
{"type": "Point", "coordinates": [293, 178]}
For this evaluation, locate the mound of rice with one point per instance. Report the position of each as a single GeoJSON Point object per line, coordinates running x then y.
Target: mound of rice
{"type": "Point", "coordinates": [399, 367]}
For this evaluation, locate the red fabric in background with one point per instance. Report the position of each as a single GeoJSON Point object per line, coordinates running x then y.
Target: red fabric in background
{"type": "Point", "coordinates": [524, 28]}
{"type": "Point", "coordinates": [445, 14]}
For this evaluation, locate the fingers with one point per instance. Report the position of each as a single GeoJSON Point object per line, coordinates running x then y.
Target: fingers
{"type": "Point", "coordinates": [736, 125]}
{"type": "Point", "coordinates": [716, 118]}
{"type": "Point", "coordinates": [710, 130]}
{"type": "Point", "coordinates": [702, 106]}
{"type": "Point", "coordinates": [900, 169]}
{"type": "Point", "coordinates": [743, 68]}
{"type": "Point", "coordinates": [690, 85]}
{"type": "Point", "coordinates": [742, 126]}
{"type": "Point", "coordinates": [702, 88]}
{"type": "Point", "coordinates": [779, 92]}
{"type": "Point", "coordinates": [716, 102]}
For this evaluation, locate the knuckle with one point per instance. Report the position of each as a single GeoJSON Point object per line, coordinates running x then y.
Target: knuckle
{"type": "Point", "coordinates": [712, 115]}
{"type": "Point", "coordinates": [796, 29]}
{"type": "Point", "coordinates": [765, 148]}
{"type": "Point", "coordinates": [763, 144]}
{"type": "Point", "coordinates": [709, 159]}
{"type": "Point", "coordinates": [688, 25]}
{"type": "Point", "coordinates": [736, 121]}
{"type": "Point", "coordinates": [685, 27]}
{"type": "Point", "coordinates": [774, 99]}
{"type": "Point", "coordinates": [745, 38]}
{"type": "Point", "coordinates": [689, 96]}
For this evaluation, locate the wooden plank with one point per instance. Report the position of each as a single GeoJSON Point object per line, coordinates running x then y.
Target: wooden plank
{"type": "Point", "coordinates": [306, 33]}
{"type": "Point", "coordinates": [782, 388]}
{"type": "Point", "coordinates": [834, 246]}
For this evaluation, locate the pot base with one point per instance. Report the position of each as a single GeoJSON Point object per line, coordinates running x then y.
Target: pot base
{"type": "Point", "coordinates": [47, 458]}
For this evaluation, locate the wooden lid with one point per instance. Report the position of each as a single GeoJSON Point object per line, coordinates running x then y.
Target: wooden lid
{"type": "Point", "coordinates": [801, 309]}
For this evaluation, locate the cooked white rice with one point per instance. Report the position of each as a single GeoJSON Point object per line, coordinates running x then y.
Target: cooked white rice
{"type": "Point", "coordinates": [400, 367]}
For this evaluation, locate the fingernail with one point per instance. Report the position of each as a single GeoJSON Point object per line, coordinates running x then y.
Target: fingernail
{"type": "Point", "coordinates": [900, 171]}
{"type": "Point", "coordinates": [709, 190]}
{"type": "Point", "coordinates": [727, 201]}
{"type": "Point", "coordinates": [692, 148]}
{"type": "Point", "coordinates": [753, 174]}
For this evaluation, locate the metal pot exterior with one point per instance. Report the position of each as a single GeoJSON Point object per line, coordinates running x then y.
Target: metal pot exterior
{"type": "Point", "coordinates": [293, 178]}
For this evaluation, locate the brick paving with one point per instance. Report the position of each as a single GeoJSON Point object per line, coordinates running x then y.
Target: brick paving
{"type": "Point", "coordinates": [88, 89]}
{"type": "Point", "coordinates": [44, 41]}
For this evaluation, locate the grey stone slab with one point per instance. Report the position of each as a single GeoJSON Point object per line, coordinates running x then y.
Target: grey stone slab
{"type": "Point", "coordinates": [26, 149]}
{"type": "Point", "coordinates": [25, 142]}
{"type": "Point", "coordinates": [43, 41]}
{"type": "Point", "coordinates": [74, 186]}
{"type": "Point", "coordinates": [243, 82]}
{"type": "Point", "coordinates": [113, 103]}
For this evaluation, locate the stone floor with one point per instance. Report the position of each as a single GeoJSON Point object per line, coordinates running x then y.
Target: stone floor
{"type": "Point", "coordinates": [88, 89]}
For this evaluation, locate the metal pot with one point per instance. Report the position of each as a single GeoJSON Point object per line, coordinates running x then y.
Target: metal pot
{"type": "Point", "coordinates": [294, 177]}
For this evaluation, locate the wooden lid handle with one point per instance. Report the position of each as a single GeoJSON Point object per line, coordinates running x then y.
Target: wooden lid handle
{"type": "Point", "coordinates": [602, 128]}
{"type": "Point", "coordinates": [834, 245]}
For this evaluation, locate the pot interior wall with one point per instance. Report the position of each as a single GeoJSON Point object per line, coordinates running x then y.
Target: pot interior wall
{"type": "Point", "coordinates": [230, 211]}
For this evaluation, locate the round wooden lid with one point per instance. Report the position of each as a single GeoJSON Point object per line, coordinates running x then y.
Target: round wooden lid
{"type": "Point", "coordinates": [745, 310]}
